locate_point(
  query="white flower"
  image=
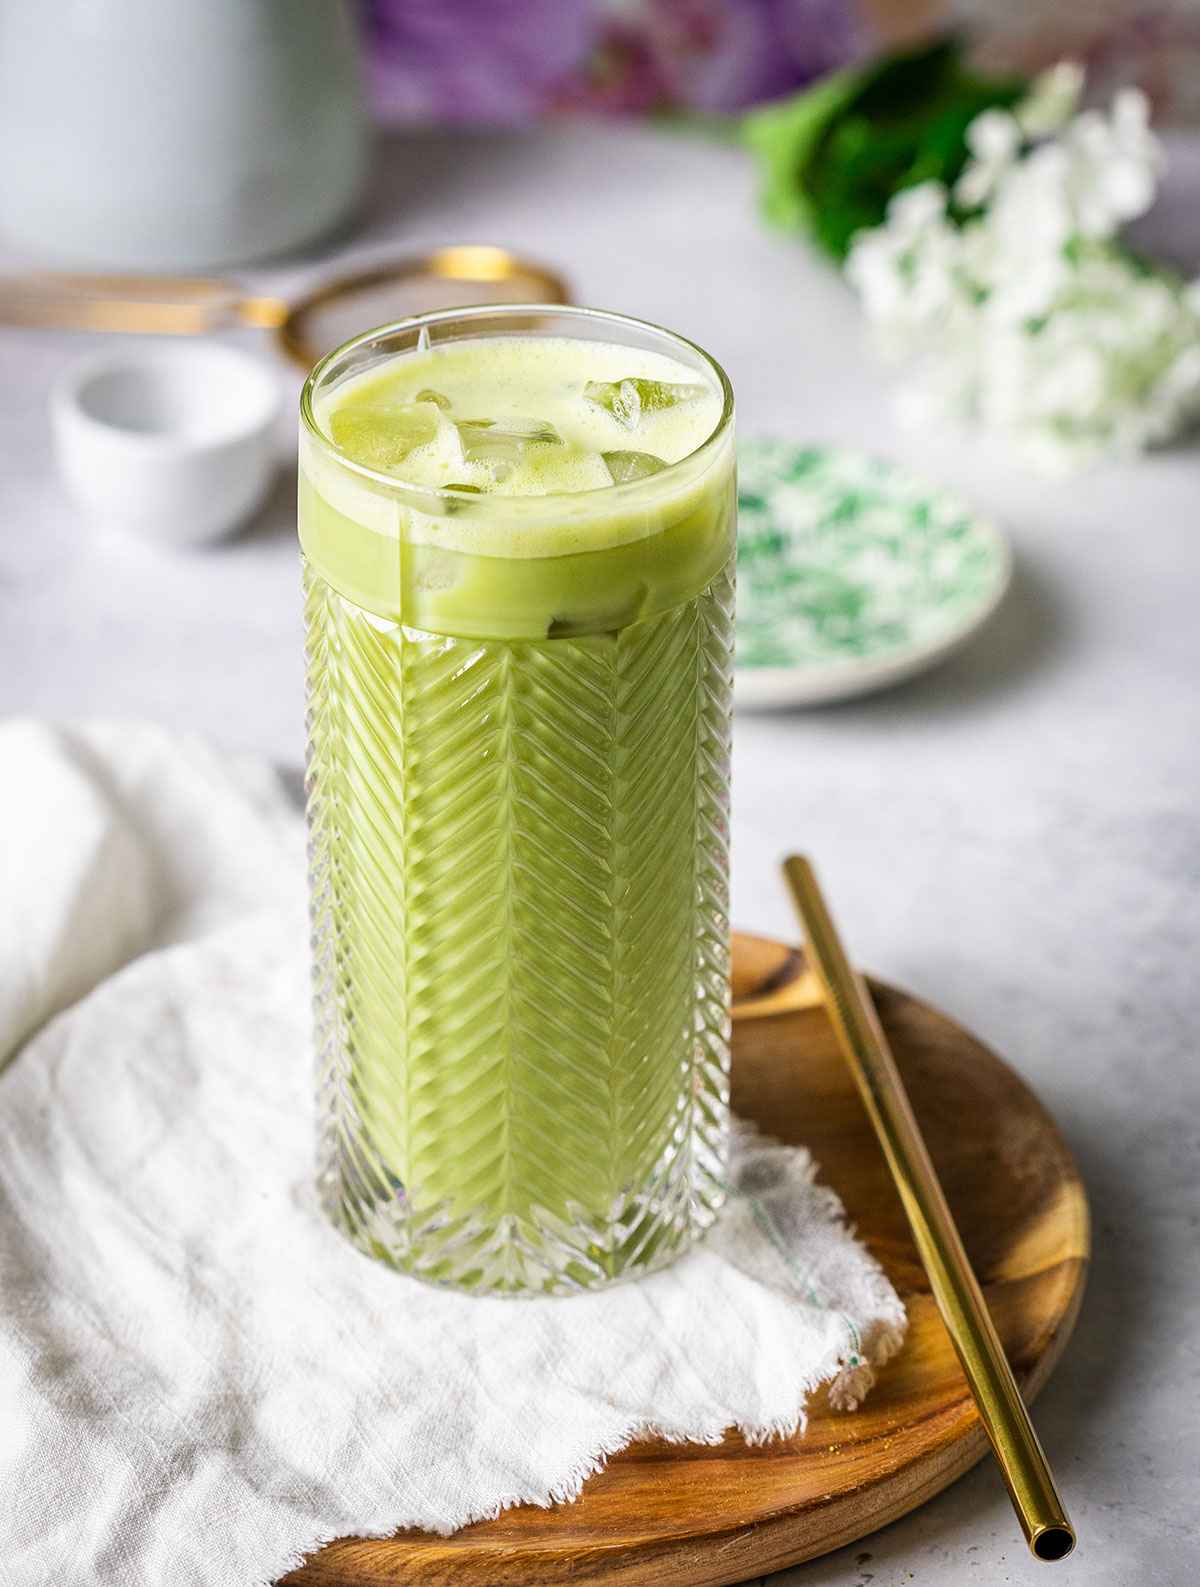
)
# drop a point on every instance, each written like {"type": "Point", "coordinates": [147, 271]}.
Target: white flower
{"type": "Point", "coordinates": [1115, 163]}
{"type": "Point", "coordinates": [994, 139]}
{"type": "Point", "coordinates": [913, 209]}
{"type": "Point", "coordinates": [1028, 227]}
{"type": "Point", "coordinates": [907, 271]}
{"type": "Point", "coordinates": [1114, 368]}
{"type": "Point", "coordinates": [1031, 318]}
{"type": "Point", "coordinates": [1052, 100]}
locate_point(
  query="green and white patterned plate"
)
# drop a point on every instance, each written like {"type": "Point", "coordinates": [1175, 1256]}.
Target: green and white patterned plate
{"type": "Point", "coordinates": [852, 573]}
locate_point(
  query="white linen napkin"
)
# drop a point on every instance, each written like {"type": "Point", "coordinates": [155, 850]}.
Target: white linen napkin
{"type": "Point", "coordinates": [200, 1381]}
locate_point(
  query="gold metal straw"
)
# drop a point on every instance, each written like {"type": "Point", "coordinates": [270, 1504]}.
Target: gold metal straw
{"type": "Point", "coordinates": [955, 1288]}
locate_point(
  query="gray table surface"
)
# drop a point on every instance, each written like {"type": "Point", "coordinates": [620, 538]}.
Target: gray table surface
{"type": "Point", "coordinates": [1015, 836]}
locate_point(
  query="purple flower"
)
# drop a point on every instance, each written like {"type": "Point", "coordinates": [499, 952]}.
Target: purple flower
{"type": "Point", "coordinates": [511, 60]}
{"type": "Point", "coordinates": [721, 55]}
{"type": "Point", "coordinates": [472, 60]}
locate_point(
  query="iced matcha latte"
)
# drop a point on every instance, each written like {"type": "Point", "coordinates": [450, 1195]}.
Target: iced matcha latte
{"type": "Point", "coordinates": [518, 551]}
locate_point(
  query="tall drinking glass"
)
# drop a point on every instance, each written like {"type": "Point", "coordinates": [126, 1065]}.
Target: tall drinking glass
{"type": "Point", "coordinates": [518, 780]}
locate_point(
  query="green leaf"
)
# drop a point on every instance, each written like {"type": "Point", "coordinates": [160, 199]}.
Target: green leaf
{"type": "Point", "coordinates": [834, 156]}
{"type": "Point", "coordinates": [785, 136]}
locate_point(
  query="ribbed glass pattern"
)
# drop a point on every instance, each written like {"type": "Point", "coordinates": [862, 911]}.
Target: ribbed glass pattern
{"type": "Point", "coordinates": [519, 863]}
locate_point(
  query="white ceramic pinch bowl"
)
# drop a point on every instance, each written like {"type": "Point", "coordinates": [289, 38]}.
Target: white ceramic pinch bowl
{"type": "Point", "coordinates": [171, 441]}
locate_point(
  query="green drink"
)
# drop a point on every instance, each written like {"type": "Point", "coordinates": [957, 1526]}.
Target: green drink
{"type": "Point", "coordinates": [518, 571]}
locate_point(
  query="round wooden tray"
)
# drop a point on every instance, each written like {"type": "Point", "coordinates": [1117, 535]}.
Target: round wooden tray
{"type": "Point", "coordinates": [699, 1516]}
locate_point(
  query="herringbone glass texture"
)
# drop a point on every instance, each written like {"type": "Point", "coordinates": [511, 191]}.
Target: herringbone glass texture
{"type": "Point", "coordinates": [519, 869]}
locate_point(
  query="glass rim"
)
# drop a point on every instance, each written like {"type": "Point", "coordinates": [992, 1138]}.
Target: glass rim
{"type": "Point", "coordinates": [484, 311]}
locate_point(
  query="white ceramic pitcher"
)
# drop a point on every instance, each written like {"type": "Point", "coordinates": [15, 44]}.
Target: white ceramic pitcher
{"type": "Point", "coordinates": [176, 134]}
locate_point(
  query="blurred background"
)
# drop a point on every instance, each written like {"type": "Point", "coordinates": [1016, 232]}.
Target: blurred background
{"type": "Point", "coordinates": [512, 61]}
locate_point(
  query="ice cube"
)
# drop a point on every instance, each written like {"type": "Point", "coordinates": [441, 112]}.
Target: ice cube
{"type": "Point", "coordinates": [599, 620]}
{"type": "Point", "coordinates": [460, 489]}
{"type": "Point", "coordinates": [485, 441]}
{"type": "Point", "coordinates": [627, 466]}
{"type": "Point", "coordinates": [382, 437]}
{"type": "Point", "coordinates": [436, 397]}
{"type": "Point", "coordinates": [627, 400]}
